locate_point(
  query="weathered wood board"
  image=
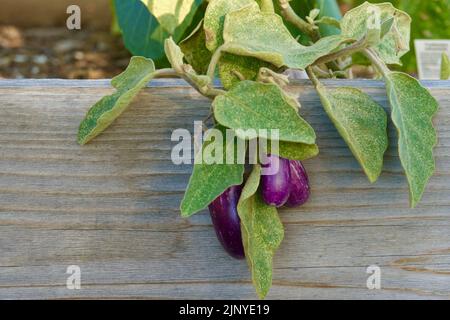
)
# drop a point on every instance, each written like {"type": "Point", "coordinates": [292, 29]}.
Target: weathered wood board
{"type": "Point", "coordinates": [111, 207]}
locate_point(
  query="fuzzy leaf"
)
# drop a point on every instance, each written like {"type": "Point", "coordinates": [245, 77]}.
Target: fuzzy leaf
{"type": "Point", "coordinates": [329, 21]}
{"type": "Point", "coordinates": [248, 67]}
{"type": "Point", "coordinates": [208, 181]}
{"type": "Point", "coordinates": [173, 16]}
{"type": "Point", "coordinates": [229, 64]}
{"type": "Point", "coordinates": [215, 18]}
{"type": "Point", "coordinates": [253, 105]}
{"type": "Point", "coordinates": [195, 51]}
{"type": "Point", "coordinates": [262, 233]}
{"type": "Point", "coordinates": [395, 43]}
{"type": "Point", "coordinates": [361, 122]}
{"type": "Point", "coordinates": [138, 73]}
{"type": "Point", "coordinates": [413, 108]}
{"type": "Point", "coordinates": [173, 54]}
{"type": "Point", "coordinates": [251, 33]}
{"type": "Point", "coordinates": [295, 151]}
{"type": "Point", "coordinates": [445, 67]}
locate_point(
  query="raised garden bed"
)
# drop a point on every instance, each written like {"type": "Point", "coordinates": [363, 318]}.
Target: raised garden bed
{"type": "Point", "coordinates": [111, 207]}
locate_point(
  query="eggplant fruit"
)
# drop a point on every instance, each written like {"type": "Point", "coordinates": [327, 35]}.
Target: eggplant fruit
{"type": "Point", "coordinates": [225, 218]}
{"type": "Point", "coordinates": [299, 185]}
{"type": "Point", "coordinates": [275, 186]}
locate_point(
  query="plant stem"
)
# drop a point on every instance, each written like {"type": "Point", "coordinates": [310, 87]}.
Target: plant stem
{"type": "Point", "coordinates": [377, 62]}
{"type": "Point", "coordinates": [347, 51]}
{"type": "Point", "coordinates": [312, 76]}
{"type": "Point", "coordinates": [322, 73]}
{"type": "Point", "coordinates": [214, 61]}
{"type": "Point", "coordinates": [166, 73]}
{"type": "Point", "coordinates": [290, 15]}
{"type": "Point", "coordinates": [208, 91]}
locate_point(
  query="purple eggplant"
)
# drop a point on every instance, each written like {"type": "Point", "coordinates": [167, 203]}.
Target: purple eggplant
{"type": "Point", "coordinates": [299, 185]}
{"type": "Point", "coordinates": [225, 218]}
{"type": "Point", "coordinates": [275, 184]}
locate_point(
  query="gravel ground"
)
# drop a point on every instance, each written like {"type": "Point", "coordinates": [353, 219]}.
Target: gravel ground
{"type": "Point", "coordinates": [59, 53]}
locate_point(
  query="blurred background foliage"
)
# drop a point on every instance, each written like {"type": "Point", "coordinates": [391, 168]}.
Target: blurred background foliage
{"type": "Point", "coordinates": [145, 24]}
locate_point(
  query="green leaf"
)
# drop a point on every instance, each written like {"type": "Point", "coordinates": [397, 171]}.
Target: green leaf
{"type": "Point", "coordinates": [330, 16]}
{"type": "Point", "coordinates": [215, 18]}
{"type": "Point", "coordinates": [253, 105]}
{"type": "Point", "coordinates": [174, 54]}
{"type": "Point", "coordinates": [208, 181]}
{"type": "Point", "coordinates": [386, 27]}
{"type": "Point", "coordinates": [329, 22]}
{"type": "Point", "coordinates": [425, 15]}
{"type": "Point", "coordinates": [145, 24]}
{"type": "Point", "coordinates": [141, 31]}
{"type": "Point", "coordinates": [231, 65]}
{"type": "Point", "coordinates": [138, 73]}
{"type": "Point", "coordinates": [295, 151]}
{"type": "Point", "coordinates": [445, 67]}
{"type": "Point", "coordinates": [262, 233]}
{"type": "Point", "coordinates": [361, 122]}
{"type": "Point", "coordinates": [252, 33]}
{"type": "Point", "coordinates": [413, 108]}
{"type": "Point", "coordinates": [195, 51]}
{"type": "Point", "coordinates": [395, 43]}
{"type": "Point", "coordinates": [174, 16]}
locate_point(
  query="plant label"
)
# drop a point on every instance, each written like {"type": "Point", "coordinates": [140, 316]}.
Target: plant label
{"type": "Point", "coordinates": [429, 57]}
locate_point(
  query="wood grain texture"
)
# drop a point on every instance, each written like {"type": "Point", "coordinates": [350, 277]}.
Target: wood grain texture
{"type": "Point", "coordinates": [111, 207]}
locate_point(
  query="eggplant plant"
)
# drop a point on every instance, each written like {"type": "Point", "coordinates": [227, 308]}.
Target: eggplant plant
{"type": "Point", "coordinates": [247, 44]}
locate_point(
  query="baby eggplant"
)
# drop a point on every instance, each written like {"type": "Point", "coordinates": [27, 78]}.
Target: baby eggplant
{"type": "Point", "coordinates": [225, 218]}
{"type": "Point", "coordinates": [275, 184]}
{"type": "Point", "coordinates": [299, 185]}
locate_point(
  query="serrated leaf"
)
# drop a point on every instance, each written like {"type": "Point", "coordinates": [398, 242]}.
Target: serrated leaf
{"type": "Point", "coordinates": [361, 122]}
{"type": "Point", "coordinates": [208, 181]}
{"type": "Point", "coordinates": [253, 105]}
{"type": "Point", "coordinates": [413, 108]}
{"type": "Point", "coordinates": [395, 43]}
{"type": "Point", "coordinates": [262, 233]}
{"type": "Point", "coordinates": [445, 67]}
{"type": "Point", "coordinates": [295, 151]}
{"type": "Point", "coordinates": [138, 73]}
{"type": "Point", "coordinates": [231, 65]}
{"type": "Point", "coordinates": [215, 18]}
{"type": "Point", "coordinates": [195, 51]}
{"type": "Point", "coordinates": [251, 33]}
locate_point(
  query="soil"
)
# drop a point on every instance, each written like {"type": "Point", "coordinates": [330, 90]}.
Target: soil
{"type": "Point", "coordinates": [60, 53]}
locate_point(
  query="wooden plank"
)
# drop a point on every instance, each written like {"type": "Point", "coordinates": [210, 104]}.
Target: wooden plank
{"type": "Point", "coordinates": [111, 207]}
